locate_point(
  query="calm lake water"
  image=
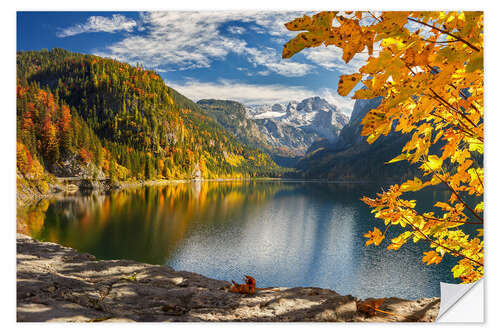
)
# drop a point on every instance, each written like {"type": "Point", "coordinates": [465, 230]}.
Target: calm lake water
{"type": "Point", "coordinates": [284, 233]}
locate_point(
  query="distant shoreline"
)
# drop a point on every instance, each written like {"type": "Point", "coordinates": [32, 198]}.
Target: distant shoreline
{"type": "Point", "coordinates": [57, 187]}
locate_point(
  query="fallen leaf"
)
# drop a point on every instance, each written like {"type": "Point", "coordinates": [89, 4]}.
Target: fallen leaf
{"type": "Point", "coordinates": [370, 306]}
{"type": "Point", "coordinates": [247, 288]}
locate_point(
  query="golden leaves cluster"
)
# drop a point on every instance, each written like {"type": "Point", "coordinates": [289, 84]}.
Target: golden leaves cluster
{"type": "Point", "coordinates": [350, 36]}
{"type": "Point", "coordinates": [428, 69]}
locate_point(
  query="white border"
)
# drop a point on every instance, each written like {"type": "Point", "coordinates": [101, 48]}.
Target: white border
{"type": "Point", "coordinates": [7, 132]}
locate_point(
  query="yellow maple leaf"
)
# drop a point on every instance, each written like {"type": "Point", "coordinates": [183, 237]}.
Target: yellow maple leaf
{"type": "Point", "coordinates": [433, 164]}
{"type": "Point", "coordinates": [431, 257]}
{"type": "Point", "coordinates": [298, 24]}
{"type": "Point", "coordinates": [412, 185]}
{"type": "Point", "coordinates": [374, 237]}
{"type": "Point", "coordinates": [347, 82]}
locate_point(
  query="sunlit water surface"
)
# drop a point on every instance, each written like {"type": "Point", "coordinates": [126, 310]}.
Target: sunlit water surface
{"type": "Point", "coordinates": [284, 233]}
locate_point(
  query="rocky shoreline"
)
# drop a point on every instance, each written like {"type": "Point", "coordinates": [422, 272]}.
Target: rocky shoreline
{"type": "Point", "coordinates": [57, 283]}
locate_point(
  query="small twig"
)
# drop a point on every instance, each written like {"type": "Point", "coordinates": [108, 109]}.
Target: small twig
{"type": "Point", "coordinates": [436, 219]}
{"type": "Point", "coordinates": [440, 245]}
{"type": "Point", "coordinates": [458, 197]}
{"type": "Point", "coordinates": [376, 18]}
{"type": "Point", "coordinates": [440, 42]}
{"type": "Point", "coordinates": [452, 107]}
{"type": "Point", "coordinates": [445, 32]}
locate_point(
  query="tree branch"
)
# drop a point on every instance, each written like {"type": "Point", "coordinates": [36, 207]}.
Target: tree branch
{"type": "Point", "coordinates": [455, 126]}
{"type": "Point", "coordinates": [452, 107]}
{"type": "Point", "coordinates": [456, 194]}
{"type": "Point", "coordinates": [445, 32]}
{"type": "Point", "coordinates": [445, 103]}
{"type": "Point", "coordinates": [376, 18]}
{"type": "Point", "coordinates": [461, 94]}
{"type": "Point", "coordinates": [436, 219]}
{"type": "Point", "coordinates": [441, 42]}
{"type": "Point", "coordinates": [440, 245]}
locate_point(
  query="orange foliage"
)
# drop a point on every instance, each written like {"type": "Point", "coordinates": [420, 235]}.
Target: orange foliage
{"type": "Point", "coordinates": [24, 159]}
{"type": "Point", "coordinates": [85, 155]}
{"type": "Point", "coordinates": [371, 306]}
{"type": "Point", "coordinates": [247, 288]}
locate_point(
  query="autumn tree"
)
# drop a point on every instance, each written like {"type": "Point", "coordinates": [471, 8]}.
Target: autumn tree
{"type": "Point", "coordinates": [24, 160]}
{"type": "Point", "coordinates": [428, 69]}
{"type": "Point", "coordinates": [50, 143]}
{"type": "Point", "coordinates": [65, 130]}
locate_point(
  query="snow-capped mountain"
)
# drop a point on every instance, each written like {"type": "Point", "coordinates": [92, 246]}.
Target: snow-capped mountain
{"type": "Point", "coordinates": [282, 129]}
{"type": "Point", "coordinates": [296, 125]}
{"type": "Point", "coordinates": [264, 111]}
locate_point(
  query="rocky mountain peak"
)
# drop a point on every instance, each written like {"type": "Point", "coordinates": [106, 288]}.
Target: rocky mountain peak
{"type": "Point", "coordinates": [278, 108]}
{"type": "Point", "coordinates": [315, 103]}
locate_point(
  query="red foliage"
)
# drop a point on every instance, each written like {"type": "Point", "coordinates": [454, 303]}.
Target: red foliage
{"type": "Point", "coordinates": [28, 121]}
{"type": "Point", "coordinates": [21, 91]}
{"type": "Point", "coordinates": [85, 155]}
{"type": "Point", "coordinates": [65, 121]}
{"type": "Point", "coordinates": [247, 288]}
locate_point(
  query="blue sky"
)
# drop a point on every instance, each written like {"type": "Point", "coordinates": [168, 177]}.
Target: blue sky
{"type": "Point", "coordinates": [226, 54]}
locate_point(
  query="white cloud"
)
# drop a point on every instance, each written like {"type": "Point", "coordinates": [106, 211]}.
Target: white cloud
{"type": "Point", "coordinates": [262, 73]}
{"type": "Point", "coordinates": [269, 58]}
{"type": "Point", "coordinates": [344, 104]}
{"type": "Point", "coordinates": [179, 40]}
{"type": "Point", "coordinates": [258, 29]}
{"type": "Point", "coordinates": [331, 58]}
{"type": "Point", "coordinates": [242, 92]}
{"type": "Point", "coordinates": [236, 30]}
{"type": "Point", "coordinates": [257, 94]}
{"type": "Point", "coordinates": [184, 40]}
{"type": "Point", "coordinates": [114, 23]}
{"type": "Point", "coordinates": [281, 41]}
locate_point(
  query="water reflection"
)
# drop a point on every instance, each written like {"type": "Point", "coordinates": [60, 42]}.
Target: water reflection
{"type": "Point", "coordinates": [282, 233]}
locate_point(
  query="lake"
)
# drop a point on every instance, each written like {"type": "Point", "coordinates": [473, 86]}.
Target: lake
{"type": "Point", "coordinates": [283, 233]}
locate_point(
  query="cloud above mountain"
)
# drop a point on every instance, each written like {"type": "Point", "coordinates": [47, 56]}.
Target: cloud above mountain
{"type": "Point", "coordinates": [111, 24]}
{"type": "Point", "coordinates": [236, 54]}
{"type": "Point", "coordinates": [257, 94]}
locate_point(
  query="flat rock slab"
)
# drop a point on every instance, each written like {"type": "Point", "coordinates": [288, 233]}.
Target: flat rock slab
{"type": "Point", "coordinates": [57, 283]}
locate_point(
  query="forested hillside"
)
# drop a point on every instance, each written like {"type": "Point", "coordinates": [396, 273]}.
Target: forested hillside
{"type": "Point", "coordinates": [232, 115]}
{"type": "Point", "coordinates": [78, 112]}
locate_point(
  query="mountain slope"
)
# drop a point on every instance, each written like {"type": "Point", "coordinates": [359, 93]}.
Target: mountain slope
{"type": "Point", "coordinates": [136, 124]}
{"type": "Point", "coordinates": [232, 116]}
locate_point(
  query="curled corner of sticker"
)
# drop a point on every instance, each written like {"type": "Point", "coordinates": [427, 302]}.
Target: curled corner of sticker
{"type": "Point", "coordinates": [462, 302]}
